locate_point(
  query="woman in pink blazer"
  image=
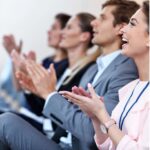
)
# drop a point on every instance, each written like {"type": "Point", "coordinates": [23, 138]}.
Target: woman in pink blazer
{"type": "Point", "coordinates": [128, 127]}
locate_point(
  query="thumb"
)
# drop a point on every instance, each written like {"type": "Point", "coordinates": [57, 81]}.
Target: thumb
{"type": "Point", "coordinates": [92, 91]}
{"type": "Point", "coordinates": [19, 48]}
{"type": "Point", "coordinates": [52, 68]}
{"type": "Point", "coordinates": [52, 71]}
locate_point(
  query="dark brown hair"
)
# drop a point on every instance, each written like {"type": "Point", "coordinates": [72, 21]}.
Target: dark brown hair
{"type": "Point", "coordinates": [124, 10]}
{"type": "Point", "coordinates": [145, 9]}
{"type": "Point", "coordinates": [63, 19]}
{"type": "Point", "coordinates": [85, 24]}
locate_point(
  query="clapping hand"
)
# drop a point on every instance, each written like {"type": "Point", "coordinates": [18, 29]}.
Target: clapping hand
{"type": "Point", "coordinates": [90, 103]}
{"type": "Point", "coordinates": [44, 81]}
{"type": "Point", "coordinates": [80, 91]}
{"type": "Point", "coordinates": [10, 44]}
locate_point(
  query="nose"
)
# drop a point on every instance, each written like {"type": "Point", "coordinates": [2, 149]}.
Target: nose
{"type": "Point", "coordinates": [62, 31]}
{"type": "Point", "coordinates": [49, 31]}
{"type": "Point", "coordinates": [94, 23]}
{"type": "Point", "coordinates": [123, 29]}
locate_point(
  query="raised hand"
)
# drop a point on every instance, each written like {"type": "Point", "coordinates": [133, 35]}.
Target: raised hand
{"type": "Point", "coordinates": [18, 61]}
{"type": "Point", "coordinates": [31, 55]}
{"type": "Point", "coordinates": [26, 82]}
{"type": "Point", "coordinates": [90, 105]}
{"type": "Point", "coordinates": [44, 81]}
{"type": "Point", "coordinates": [10, 44]}
{"type": "Point", "coordinates": [80, 91]}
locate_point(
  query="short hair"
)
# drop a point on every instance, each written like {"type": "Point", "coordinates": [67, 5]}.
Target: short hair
{"type": "Point", "coordinates": [145, 9]}
{"type": "Point", "coordinates": [124, 10]}
{"type": "Point", "coordinates": [63, 19]}
{"type": "Point", "coordinates": [85, 20]}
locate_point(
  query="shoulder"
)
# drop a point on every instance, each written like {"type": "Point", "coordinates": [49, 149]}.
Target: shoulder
{"type": "Point", "coordinates": [125, 61]}
{"type": "Point", "coordinates": [128, 87]}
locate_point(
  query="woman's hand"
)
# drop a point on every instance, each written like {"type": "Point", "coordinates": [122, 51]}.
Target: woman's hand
{"type": "Point", "coordinates": [44, 80]}
{"type": "Point", "coordinates": [91, 104]}
{"type": "Point", "coordinates": [10, 44]}
{"type": "Point", "coordinates": [26, 82]}
{"type": "Point", "coordinates": [80, 91]}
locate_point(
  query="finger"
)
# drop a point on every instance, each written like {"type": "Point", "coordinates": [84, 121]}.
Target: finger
{"type": "Point", "coordinates": [73, 100]}
{"type": "Point", "coordinates": [52, 75]}
{"type": "Point", "coordinates": [25, 85]}
{"type": "Point", "coordinates": [52, 70]}
{"type": "Point", "coordinates": [22, 77]}
{"type": "Point", "coordinates": [84, 93]}
{"type": "Point", "coordinates": [102, 99]}
{"type": "Point", "coordinates": [28, 84]}
{"type": "Point", "coordinates": [78, 98]}
{"type": "Point", "coordinates": [78, 91]}
{"type": "Point", "coordinates": [34, 69]}
{"type": "Point", "coordinates": [92, 91]}
{"type": "Point", "coordinates": [16, 58]}
{"type": "Point", "coordinates": [75, 90]}
{"type": "Point", "coordinates": [31, 55]}
{"type": "Point", "coordinates": [31, 70]}
{"type": "Point", "coordinates": [19, 47]}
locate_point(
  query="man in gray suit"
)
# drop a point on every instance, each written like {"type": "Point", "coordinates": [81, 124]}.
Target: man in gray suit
{"type": "Point", "coordinates": [111, 72]}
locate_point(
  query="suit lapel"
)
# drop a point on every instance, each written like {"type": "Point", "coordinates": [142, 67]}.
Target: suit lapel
{"type": "Point", "coordinates": [108, 71]}
{"type": "Point", "coordinates": [89, 76]}
{"type": "Point", "coordinates": [92, 73]}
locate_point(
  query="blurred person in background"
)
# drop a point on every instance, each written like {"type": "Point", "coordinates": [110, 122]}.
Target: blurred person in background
{"type": "Point", "coordinates": [76, 39]}
{"type": "Point", "coordinates": [10, 88]}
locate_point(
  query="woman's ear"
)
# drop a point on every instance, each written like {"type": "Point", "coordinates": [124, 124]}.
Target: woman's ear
{"type": "Point", "coordinates": [85, 36]}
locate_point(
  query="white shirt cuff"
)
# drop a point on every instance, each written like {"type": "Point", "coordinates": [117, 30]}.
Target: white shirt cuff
{"type": "Point", "coordinates": [49, 97]}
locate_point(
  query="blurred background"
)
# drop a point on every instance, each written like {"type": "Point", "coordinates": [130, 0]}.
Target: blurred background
{"type": "Point", "coordinates": [29, 20]}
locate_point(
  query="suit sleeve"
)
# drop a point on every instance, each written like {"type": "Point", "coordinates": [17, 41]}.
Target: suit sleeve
{"type": "Point", "coordinates": [70, 117]}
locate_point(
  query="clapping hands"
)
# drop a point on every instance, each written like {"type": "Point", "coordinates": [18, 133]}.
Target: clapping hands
{"type": "Point", "coordinates": [33, 77]}
{"type": "Point", "coordinates": [90, 103]}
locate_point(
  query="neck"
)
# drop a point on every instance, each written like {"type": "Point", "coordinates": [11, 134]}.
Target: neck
{"type": "Point", "coordinates": [60, 55]}
{"type": "Point", "coordinates": [112, 47]}
{"type": "Point", "coordinates": [75, 54]}
{"type": "Point", "coordinates": [142, 63]}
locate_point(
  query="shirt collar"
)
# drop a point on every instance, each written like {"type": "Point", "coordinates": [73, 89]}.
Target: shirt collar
{"type": "Point", "coordinates": [104, 60]}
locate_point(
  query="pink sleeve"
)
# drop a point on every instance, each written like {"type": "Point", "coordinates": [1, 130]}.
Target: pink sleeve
{"type": "Point", "coordinates": [143, 141]}
{"type": "Point", "coordinates": [103, 146]}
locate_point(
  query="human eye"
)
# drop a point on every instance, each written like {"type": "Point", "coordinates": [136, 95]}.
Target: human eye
{"type": "Point", "coordinates": [69, 27]}
{"type": "Point", "coordinates": [101, 18]}
{"type": "Point", "coordinates": [132, 23]}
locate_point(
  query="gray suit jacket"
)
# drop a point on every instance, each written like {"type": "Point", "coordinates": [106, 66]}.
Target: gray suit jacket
{"type": "Point", "coordinates": [68, 116]}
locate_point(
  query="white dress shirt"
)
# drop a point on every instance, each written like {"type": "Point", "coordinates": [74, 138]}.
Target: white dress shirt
{"type": "Point", "coordinates": [103, 62]}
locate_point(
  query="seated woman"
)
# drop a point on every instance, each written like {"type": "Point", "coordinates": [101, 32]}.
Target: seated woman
{"type": "Point", "coordinates": [128, 126]}
{"type": "Point", "coordinates": [60, 58]}
{"type": "Point", "coordinates": [10, 86]}
{"type": "Point", "coordinates": [76, 39]}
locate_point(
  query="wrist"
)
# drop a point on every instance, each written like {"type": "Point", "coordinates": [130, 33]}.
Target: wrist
{"type": "Point", "coordinates": [44, 96]}
{"type": "Point", "coordinates": [103, 116]}
{"type": "Point", "coordinates": [107, 125]}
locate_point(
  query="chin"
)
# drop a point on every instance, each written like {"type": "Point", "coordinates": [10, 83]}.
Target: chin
{"type": "Point", "coordinates": [126, 53]}
{"type": "Point", "coordinates": [94, 41]}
